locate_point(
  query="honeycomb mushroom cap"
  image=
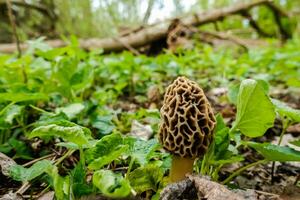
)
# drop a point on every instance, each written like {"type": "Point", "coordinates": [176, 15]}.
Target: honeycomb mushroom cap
{"type": "Point", "coordinates": [187, 119]}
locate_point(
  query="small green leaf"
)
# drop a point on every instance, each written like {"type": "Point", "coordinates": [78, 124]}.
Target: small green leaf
{"type": "Point", "coordinates": [146, 178]}
{"type": "Point", "coordinates": [8, 114]}
{"type": "Point", "coordinates": [79, 185]}
{"type": "Point", "coordinates": [220, 123]}
{"type": "Point", "coordinates": [76, 134]}
{"type": "Point", "coordinates": [12, 112]}
{"type": "Point", "coordinates": [104, 124]}
{"type": "Point", "coordinates": [20, 173]}
{"type": "Point", "coordinates": [221, 137]}
{"type": "Point", "coordinates": [275, 153]}
{"type": "Point", "coordinates": [61, 185]}
{"type": "Point", "coordinates": [20, 148]}
{"type": "Point", "coordinates": [18, 97]}
{"type": "Point", "coordinates": [255, 111]}
{"type": "Point", "coordinates": [285, 111]}
{"type": "Point", "coordinates": [233, 92]}
{"type": "Point", "coordinates": [71, 110]}
{"type": "Point", "coordinates": [111, 184]}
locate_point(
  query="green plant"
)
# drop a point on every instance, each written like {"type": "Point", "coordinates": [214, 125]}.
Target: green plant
{"type": "Point", "coordinates": [78, 107]}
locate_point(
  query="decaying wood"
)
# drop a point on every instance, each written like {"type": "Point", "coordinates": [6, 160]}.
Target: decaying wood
{"type": "Point", "coordinates": [197, 187]}
{"type": "Point", "coordinates": [5, 163]}
{"type": "Point", "coordinates": [150, 34]}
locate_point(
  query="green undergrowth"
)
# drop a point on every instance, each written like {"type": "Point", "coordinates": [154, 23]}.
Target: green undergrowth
{"type": "Point", "coordinates": [83, 104]}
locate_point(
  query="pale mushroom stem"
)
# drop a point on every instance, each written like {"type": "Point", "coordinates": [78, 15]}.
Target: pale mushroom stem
{"type": "Point", "coordinates": [180, 167]}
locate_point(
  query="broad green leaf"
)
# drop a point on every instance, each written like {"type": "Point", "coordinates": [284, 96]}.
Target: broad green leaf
{"type": "Point", "coordinates": [71, 145]}
{"type": "Point", "coordinates": [275, 153]}
{"type": "Point", "coordinates": [18, 97]}
{"type": "Point", "coordinates": [141, 150]}
{"type": "Point", "coordinates": [146, 178]}
{"type": "Point", "coordinates": [106, 159]}
{"type": "Point", "coordinates": [76, 134]}
{"type": "Point", "coordinates": [255, 111]}
{"type": "Point", "coordinates": [233, 90]}
{"type": "Point", "coordinates": [285, 111]}
{"type": "Point", "coordinates": [107, 149]}
{"type": "Point", "coordinates": [111, 184]}
{"type": "Point", "coordinates": [111, 147]}
{"type": "Point", "coordinates": [51, 118]}
{"type": "Point", "coordinates": [104, 146]}
{"type": "Point", "coordinates": [20, 173]}
{"type": "Point", "coordinates": [71, 110]}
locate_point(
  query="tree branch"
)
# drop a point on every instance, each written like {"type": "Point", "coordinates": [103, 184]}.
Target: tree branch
{"type": "Point", "coordinates": [158, 31]}
{"type": "Point", "coordinates": [39, 8]}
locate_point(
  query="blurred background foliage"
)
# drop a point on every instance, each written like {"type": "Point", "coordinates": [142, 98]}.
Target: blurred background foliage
{"type": "Point", "coordinates": [102, 18]}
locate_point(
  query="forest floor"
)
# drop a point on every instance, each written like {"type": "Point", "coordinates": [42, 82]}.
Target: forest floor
{"type": "Point", "coordinates": [75, 124]}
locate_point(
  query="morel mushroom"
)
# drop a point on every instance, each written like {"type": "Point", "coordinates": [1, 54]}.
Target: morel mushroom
{"type": "Point", "coordinates": [187, 123]}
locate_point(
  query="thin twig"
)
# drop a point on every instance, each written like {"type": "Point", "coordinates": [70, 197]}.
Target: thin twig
{"type": "Point", "coordinates": [38, 159]}
{"type": "Point", "coordinates": [43, 191]}
{"type": "Point", "coordinates": [13, 26]}
{"type": "Point", "coordinates": [266, 193]}
{"type": "Point", "coordinates": [23, 188]}
{"type": "Point", "coordinates": [238, 172]}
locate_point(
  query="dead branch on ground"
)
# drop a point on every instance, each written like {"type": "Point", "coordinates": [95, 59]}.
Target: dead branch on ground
{"type": "Point", "coordinates": [149, 34]}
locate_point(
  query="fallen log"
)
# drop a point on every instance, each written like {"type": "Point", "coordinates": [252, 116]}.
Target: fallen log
{"type": "Point", "coordinates": [149, 34]}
